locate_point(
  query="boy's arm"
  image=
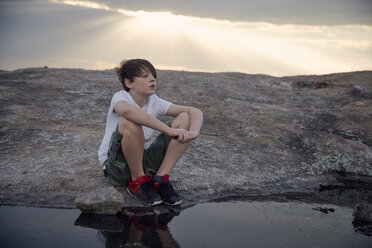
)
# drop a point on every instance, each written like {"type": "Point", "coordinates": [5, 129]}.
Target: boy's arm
{"type": "Point", "coordinates": [195, 116]}
{"type": "Point", "coordinates": [141, 117]}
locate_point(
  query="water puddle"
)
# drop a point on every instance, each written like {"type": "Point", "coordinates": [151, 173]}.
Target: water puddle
{"type": "Point", "coordinates": [252, 223]}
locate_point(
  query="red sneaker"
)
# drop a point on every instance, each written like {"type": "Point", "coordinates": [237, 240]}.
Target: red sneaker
{"type": "Point", "coordinates": [142, 190]}
{"type": "Point", "coordinates": [162, 185]}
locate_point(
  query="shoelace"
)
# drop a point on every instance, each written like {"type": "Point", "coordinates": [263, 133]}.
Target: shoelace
{"type": "Point", "coordinates": [146, 187]}
{"type": "Point", "coordinates": [168, 189]}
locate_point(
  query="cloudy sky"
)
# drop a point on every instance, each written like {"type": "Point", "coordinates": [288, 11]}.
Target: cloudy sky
{"type": "Point", "coordinates": [275, 37]}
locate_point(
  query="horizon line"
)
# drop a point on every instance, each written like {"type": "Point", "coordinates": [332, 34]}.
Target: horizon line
{"type": "Point", "coordinates": [190, 71]}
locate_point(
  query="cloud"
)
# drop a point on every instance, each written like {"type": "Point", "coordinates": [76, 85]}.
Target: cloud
{"type": "Point", "coordinates": [85, 4]}
{"type": "Point", "coordinates": [102, 31]}
{"type": "Point", "coordinates": [315, 12]}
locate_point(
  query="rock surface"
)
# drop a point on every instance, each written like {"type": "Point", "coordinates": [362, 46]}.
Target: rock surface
{"type": "Point", "coordinates": [104, 200]}
{"type": "Point", "coordinates": [261, 135]}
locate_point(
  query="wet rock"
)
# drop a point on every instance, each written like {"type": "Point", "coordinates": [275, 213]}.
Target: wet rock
{"type": "Point", "coordinates": [261, 135]}
{"type": "Point", "coordinates": [363, 213]}
{"type": "Point", "coordinates": [324, 210]}
{"type": "Point", "coordinates": [331, 185]}
{"type": "Point", "coordinates": [105, 200]}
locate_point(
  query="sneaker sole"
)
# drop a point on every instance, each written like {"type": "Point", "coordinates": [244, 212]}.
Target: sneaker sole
{"type": "Point", "coordinates": [148, 203]}
{"type": "Point", "coordinates": [173, 204]}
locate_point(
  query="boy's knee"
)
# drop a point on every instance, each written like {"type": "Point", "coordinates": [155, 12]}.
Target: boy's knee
{"type": "Point", "coordinates": [128, 127]}
{"type": "Point", "coordinates": [181, 121]}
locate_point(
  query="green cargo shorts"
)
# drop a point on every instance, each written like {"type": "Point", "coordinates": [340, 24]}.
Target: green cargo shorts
{"type": "Point", "coordinates": [116, 169]}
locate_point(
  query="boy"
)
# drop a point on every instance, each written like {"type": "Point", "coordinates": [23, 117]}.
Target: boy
{"type": "Point", "coordinates": [126, 153]}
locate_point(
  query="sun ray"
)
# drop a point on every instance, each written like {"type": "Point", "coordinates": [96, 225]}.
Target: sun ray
{"type": "Point", "coordinates": [209, 44]}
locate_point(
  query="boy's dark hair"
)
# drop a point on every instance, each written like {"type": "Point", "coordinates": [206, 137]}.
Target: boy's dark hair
{"type": "Point", "coordinates": [133, 68]}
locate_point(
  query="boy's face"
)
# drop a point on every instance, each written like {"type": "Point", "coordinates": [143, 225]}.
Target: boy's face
{"type": "Point", "coordinates": [145, 84]}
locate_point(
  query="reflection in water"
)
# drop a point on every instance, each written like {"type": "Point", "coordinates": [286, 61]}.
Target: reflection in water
{"type": "Point", "coordinates": [363, 227]}
{"type": "Point", "coordinates": [321, 219]}
{"type": "Point", "coordinates": [131, 231]}
{"type": "Point", "coordinates": [289, 221]}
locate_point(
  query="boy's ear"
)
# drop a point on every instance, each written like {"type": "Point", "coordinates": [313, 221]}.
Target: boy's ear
{"type": "Point", "coordinates": [128, 83]}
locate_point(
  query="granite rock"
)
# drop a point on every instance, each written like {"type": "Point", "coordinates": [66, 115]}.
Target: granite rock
{"type": "Point", "coordinates": [105, 200]}
{"type": "Point", "coordinates": [261, 134]}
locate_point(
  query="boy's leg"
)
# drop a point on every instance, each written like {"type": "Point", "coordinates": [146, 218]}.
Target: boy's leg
{"type": "Point", "coordinates": [132, 145]}
{"type": "Point", "coordinates": [175, 148]}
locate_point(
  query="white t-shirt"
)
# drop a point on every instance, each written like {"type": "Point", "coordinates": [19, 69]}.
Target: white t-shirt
{"type": "Point", "coordinates": [155, 106]}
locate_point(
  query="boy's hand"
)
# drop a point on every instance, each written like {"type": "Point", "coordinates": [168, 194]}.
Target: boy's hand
{"type": "Point", "coordinates": [182, 135]}
{"type": "Point", "coordinates": [192, 134]}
